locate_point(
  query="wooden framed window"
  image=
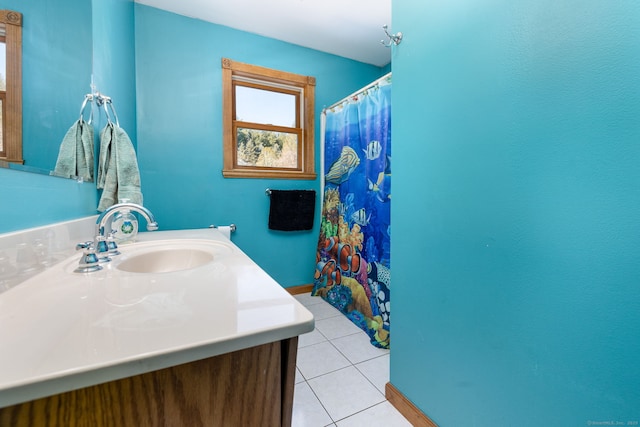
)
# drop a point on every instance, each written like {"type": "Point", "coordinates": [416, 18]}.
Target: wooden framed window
{"type": "Point", "coordinates": [11, 86]}
{"type": "Point", "coordinates": [268, 122]}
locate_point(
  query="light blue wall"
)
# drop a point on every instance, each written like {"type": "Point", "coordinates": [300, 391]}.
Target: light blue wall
{"type": "Point", "coordinates": [114, 60]}
{"type": "Point", "coordinates": [516, 217]}
{"type": "Point", "coordinates": [60, 53]}
{"type": "Point", "coordinates": [179, 100]}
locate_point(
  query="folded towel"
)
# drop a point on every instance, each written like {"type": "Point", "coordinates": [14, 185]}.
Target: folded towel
{"type": "Point", "coordinates": [118, 173]}
{"type": "Point", "coordinates": [75, 157]}
{"type": "Point", "coordinates": [292, 210]}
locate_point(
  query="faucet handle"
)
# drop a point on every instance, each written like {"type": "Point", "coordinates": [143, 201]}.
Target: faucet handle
{"type": "Point", "coordinates": [112, 245]}
{"type": "Point", "coordinates": [102, 249]}
{"type": "Point", "coordinates": [84, 245]}
{"type": "Point", "coordinates": [89, 260]}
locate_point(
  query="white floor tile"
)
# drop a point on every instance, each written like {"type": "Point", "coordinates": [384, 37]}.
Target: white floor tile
{"type": "Point", "coordinates": [336, 327]}
{"type": "Point", "coordinates": [358, 348]}
{"type": "Point", "coordinates": [339, 373]}
{"type": "Point", "coordinates": [376, 370]}
{"type": "Point", "coordinates": [345, 392]}
{"type": "Point", "coordinates": [307, 410]}
{"type": "Point", "coordinates": [310, 338]}
{"type": "Point", "coordinates": [323, 310]}
{"type": "Point", "coordinates": [307, 299]}
{"type": "Point", "coordinates": [319, 359]}
{"type": "Point", "coordinates": [383, 414]}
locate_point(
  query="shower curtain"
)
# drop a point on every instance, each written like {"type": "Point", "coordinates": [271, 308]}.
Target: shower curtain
{"type": "Point", "coordinates": [353, 256]}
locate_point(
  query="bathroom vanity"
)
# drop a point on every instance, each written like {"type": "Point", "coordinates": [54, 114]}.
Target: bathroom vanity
{"type": "Point", "coordinates": [181, 329]}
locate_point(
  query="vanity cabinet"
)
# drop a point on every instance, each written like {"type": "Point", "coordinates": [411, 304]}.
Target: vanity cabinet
{"type": "Point", "coordinates": [210, 345]}
{"type": "Point", "coordinates": [250, 387]}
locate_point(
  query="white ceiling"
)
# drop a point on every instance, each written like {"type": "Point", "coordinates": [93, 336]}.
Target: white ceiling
{"type": "Point", "coordinates": [348, 28]}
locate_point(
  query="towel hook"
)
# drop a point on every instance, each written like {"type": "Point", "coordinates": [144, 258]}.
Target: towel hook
{"type": "Point", "coordinates": [101, 99]}
{"type": "Point", "coordinates": [394, 39]}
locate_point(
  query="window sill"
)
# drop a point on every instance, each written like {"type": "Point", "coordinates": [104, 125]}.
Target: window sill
{"type": "Point", "coordinates": [268, 174]}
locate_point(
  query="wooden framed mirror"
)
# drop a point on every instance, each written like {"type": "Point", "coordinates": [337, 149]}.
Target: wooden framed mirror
{"type": "Point", "coordinates": [11, 86]}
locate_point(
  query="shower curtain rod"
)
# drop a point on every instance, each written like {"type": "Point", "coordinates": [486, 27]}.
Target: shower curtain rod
{"type": "Point", "coordinates": [369, 86]}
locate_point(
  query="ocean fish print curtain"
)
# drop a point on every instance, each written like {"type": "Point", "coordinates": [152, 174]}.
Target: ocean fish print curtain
{"type": "Point", "coordinates": [353, 255]}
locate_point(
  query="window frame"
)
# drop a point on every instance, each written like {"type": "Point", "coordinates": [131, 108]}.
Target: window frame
{"type": "Point", "coordinates": [12, 105]}
{"type": "Point", "coordinates": [267, 79]}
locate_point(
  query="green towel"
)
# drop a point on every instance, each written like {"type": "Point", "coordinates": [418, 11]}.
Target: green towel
{"type": "Point", "coordinates": [118, 174]}
{"type": "Point", "coordinates": [75, 158]}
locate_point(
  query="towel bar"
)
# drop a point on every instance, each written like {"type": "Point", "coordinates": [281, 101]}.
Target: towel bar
{"type": "Point", "coordinates": [268, 191]}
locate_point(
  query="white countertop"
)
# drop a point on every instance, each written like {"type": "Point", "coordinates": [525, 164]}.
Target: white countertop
{"type": "Point", "coordinates": [61, 330]}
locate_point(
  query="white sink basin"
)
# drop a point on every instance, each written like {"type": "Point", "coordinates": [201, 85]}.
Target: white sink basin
{"type": "Point", "coordinates": [168, 256]}
{"type": "Point", "coordinates": [166, 261]}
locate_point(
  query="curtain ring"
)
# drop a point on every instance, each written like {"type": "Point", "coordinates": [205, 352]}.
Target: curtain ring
{"type": "Point", "coordinates": [113, 110]}
{"type": "Point", "coordinates": [106, 111]}
{"type": "Point", "coordinates": [87, 98]}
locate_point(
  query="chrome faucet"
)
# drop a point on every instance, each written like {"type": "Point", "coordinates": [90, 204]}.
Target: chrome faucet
{"type": "Point", "coordinates": [108, 213]}
{"type": "Point", "coordinates": [98, 251]}
{"type": "Point", "coordinates": [105, 244]}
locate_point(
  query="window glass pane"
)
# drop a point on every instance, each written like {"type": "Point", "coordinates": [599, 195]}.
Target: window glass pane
{"type": "Point", "coordinates": [265, 107]}
{"type": "Point", "coordinates": [267, 148]}
{"type": "Point", "coordinates": [3, 66]}
{"type": "Point", "coordinates": [1, 127]}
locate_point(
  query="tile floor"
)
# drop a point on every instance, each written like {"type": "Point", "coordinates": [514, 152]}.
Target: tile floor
{"type": "Point", "coordinates": [340, 376]}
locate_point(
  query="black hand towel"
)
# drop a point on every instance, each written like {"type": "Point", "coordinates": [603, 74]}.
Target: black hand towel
{"type": "Point", "coordinates": [292, 210]}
